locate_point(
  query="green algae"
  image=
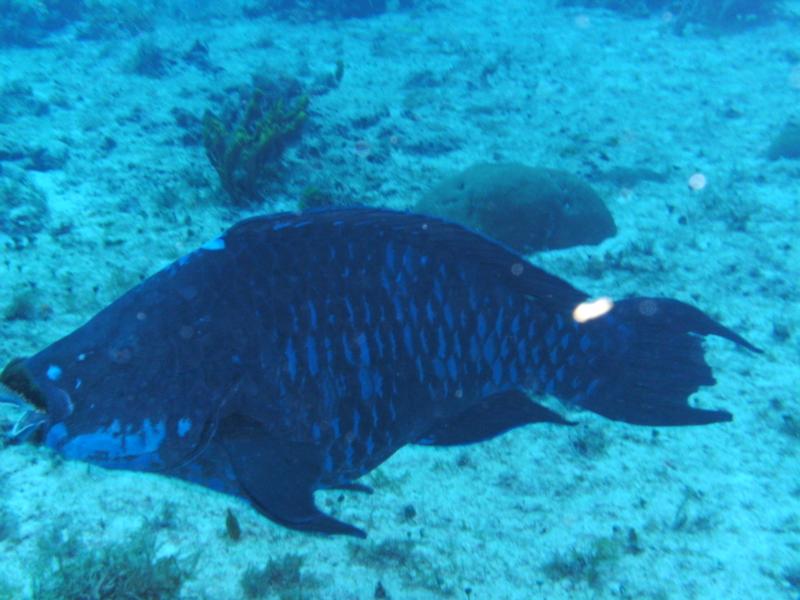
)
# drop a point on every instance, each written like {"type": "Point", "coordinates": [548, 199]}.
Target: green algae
{"type": "Point", "coordinates": [282, 577]}
{"type": "Point", "coordinates": [69, 569]}
{"type": "Point", "coordinates": [591, 566]}
{"type": "Point", "coordinates": [404, 558]}
{"type": "Point", "coordinates": [246, 151]}
{"type": "Point", "coordinates": [23, 209]}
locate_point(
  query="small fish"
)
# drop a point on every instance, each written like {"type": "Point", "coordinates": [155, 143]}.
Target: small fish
{"type": "Point", "coordinates": [298, 352]}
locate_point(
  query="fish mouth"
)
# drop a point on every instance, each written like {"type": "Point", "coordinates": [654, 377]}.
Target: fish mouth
{"type": "Point", "coordinates": [26, 409]}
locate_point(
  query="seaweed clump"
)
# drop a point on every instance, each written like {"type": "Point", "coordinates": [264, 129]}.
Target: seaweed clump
{"type": "Point", "coordinates": [725, 15]}
{"type": "Point", "coordinates": [313, 197]}
{"type": "Point", "coordinates": [22, 307]}
{"type": "Point", "coordinates": [246, 141]}
{"type": "Point", "coordinates": [23, 209]}
{"type": "Point", "coordinates": [787, 143]}
{"type": "Point", "coordinates": [69, 570]}
{"type": "Point", "coordinates": [592, 565]}
{"type": "Point", "coordinates": [317, 9]}
{"type": "Point", "coordinates": [715, 15]}
{"type": "Point", "coordinates": [111, 19]}
{"type": "Point", "coordinates": [26, 23]}
{"type": "Point", "coordinates": [402, 557]}
{"type": "Point", "coordinates": [149, 60]}
{"type": "Point", "coordinates": [282, 577]}
{"type": "Point", "coordinates": [17, 99]}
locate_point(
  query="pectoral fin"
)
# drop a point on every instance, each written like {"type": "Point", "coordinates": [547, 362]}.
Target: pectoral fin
{"type": "Point", "coordinates": [278, 477]}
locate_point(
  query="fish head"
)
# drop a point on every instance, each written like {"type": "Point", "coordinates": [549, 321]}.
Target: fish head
{"type": "Point", "coordinates": [71, 420]}
{"type": "Point", "coordinates": [109, 394]}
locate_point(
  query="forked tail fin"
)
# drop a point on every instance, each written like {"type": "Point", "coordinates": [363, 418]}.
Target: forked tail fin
{"type": "Point", "coordinates": [648, 359]}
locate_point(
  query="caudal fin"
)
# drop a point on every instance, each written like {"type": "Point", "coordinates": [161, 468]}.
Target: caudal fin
{"type": "Point", "coordinates": [651, 361]}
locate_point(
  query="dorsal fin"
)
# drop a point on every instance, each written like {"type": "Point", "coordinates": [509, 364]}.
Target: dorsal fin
{"type": "Point", "coordinates": [428, 234]}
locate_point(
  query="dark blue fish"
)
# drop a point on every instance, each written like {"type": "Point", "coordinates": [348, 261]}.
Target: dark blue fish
{"type": "Point", "coordinates": [298, 352]}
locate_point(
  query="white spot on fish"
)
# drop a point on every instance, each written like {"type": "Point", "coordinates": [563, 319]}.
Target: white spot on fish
{"type": "Point", "coordinates": [54, 372]}
{"type": "Point", "coordinates": [592, 309]}
{"type": "Point", "coordinates": [215, 244]}
{"type": "Point", "coordinates": [184, 425]}
{"type": "Point", "coordinates": [81, 357]}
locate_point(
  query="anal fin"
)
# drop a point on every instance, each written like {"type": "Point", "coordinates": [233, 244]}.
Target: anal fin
{"type": "Point", "coordinates": [278, 476]}
{"type": "Point", "coordinates": [489, 418]}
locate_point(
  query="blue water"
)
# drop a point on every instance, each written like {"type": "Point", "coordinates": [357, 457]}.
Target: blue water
{"type": "Point", "coordinates": [119, 125]}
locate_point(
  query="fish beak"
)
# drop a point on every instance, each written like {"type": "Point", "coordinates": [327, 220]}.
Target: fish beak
{"type": "Point", "coordinates": [19, 419]}
{"type": "Point", "coordinates": [28, 427]}
{"type": "Point", "coordinates": [23, 408]}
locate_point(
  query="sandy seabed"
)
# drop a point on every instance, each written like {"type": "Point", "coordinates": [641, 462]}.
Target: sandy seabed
{"type": "Point", "coordinates": [709, 512]}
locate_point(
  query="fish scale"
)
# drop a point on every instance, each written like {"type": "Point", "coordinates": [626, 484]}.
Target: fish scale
{"type": "Point", "coordinates": [298, 352]}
